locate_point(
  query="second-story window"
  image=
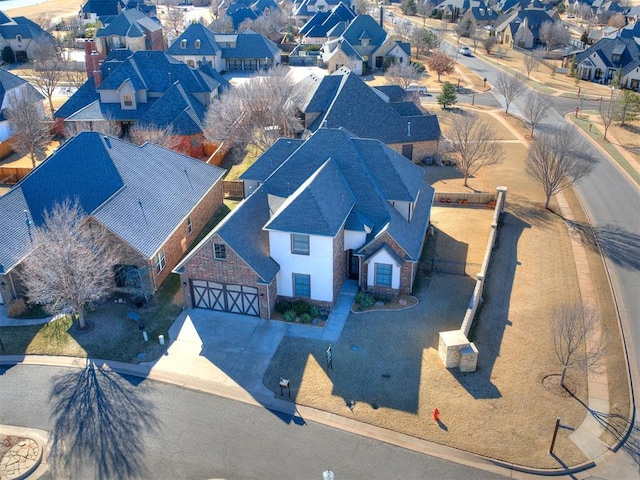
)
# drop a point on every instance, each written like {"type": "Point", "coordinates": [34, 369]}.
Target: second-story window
{"type": "Point", "coordinates": [299, 244]}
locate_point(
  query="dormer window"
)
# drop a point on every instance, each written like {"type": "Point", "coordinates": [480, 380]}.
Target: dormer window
{"type": "Point", "coordinates": [365, 42]}
{"type": "Point", "coordinates": [183, 44]}
{"type": "Point", "coordinates": [197, 44]}
{"type": "Point", "coordinates": [127, 100]}
{"type": "Point", "coordinates": [19, 38]}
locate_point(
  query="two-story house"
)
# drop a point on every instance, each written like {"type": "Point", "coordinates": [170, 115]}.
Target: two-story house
{"type": "Point", "coordinates": [132, 30]}
{"type": "Point", "coordinates": [12, 88]}
{"type": "Point", "coordinates": [327, 208]}
{"type": "Point", "coordinates": [343, 100]}
{"type": "Point", "coordinates": [149, 89]}
{"type": "Point", "coordinates": [247, 51]}
{"type": "Point", "coordinates": [22, 36]}
{"type": "Point", "coordinates": [362, 46]}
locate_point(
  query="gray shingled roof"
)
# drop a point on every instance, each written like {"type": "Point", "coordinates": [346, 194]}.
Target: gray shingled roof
{"type": "Point", "coordinates": [343, 100]}
{"type": "Point", "coordinates": [310, 210]}
{"type": "Point", "coordinates": [195, 31]}
{"type": "Point", "coordinates": [271, 159]}
{"type": "Point", "coordinates": [140, 193]}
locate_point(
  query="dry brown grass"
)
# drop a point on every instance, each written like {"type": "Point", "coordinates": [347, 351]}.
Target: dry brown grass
{"type": "Point", "coordinates": [503, 410]}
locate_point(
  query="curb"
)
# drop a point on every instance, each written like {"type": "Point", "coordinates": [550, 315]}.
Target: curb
{"type": "Point", "coordinates": [401, 440]}
{"type": "Point", "coordinates": [27, 434]}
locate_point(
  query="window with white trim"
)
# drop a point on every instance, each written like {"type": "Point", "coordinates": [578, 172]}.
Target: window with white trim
{"type": "Point", "coordinates": [183, 43]}
{"type": "Point", "coordinates": [159, 262]}
{"type": "Point", "coordinates": [197, 44]}
{"type": "Point", "coordinates": [301, 285]}
{"type": "Point", "coordinates": [219, 251]}
{"type": "Point", "coordinates": [383, 274]}
{"type": "Point", "coordinates": [299, 244]}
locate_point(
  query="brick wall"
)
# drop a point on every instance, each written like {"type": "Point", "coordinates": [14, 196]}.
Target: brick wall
{"type": "Point", "coordinates": [339, 264]}
{"type": "Point", "coordinates": [406, 276]}
{"type": "Point", "coordinates": [177, 244]}
{"type": "Point", "coordinates": [420, 149]}
{"type": "Point", "coordinates": [156, 39]}
{"type": "Point", "coordinates": [233, 270]}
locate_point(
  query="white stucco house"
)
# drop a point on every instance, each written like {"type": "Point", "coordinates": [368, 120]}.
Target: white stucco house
{"type": "Point", "coordinates": [322, 210]}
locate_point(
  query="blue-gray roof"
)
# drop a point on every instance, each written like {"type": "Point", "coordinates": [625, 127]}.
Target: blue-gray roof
{"type": "Point", "coordinates": [310, 210]}
{"type": "Point", "coordinates": [271, 159]}
{"type": "Point", "coordinates": [27, 29]}
{"type": "Point", "coordinates": [361, 25]}
{"type": "Point", "coordinates": [322, 22]}
{"type": "Point", "coordinates": [102, 7]}
{"type": "Point", "coordinates": [240, 15]}
{"type": "Point", "coordinates": [395, 93]}
{"type": "Point", "coordinates": [626, 48]}
{"type": "Point", "coordinates": [9, 81]}
{"type": "Point", "coordinates": [130, 23]}
{"type": "Point", "coordinates": [140, 193]}
{"type": "Point", "coordinates": [195, 31]}
{"type": "Point", "coordinates": [251, 45]}
{"type": "Point", "coordinates": [343, 100]}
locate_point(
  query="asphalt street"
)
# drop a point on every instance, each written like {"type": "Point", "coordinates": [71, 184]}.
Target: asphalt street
{"type": "Point", "coordinates": [611, 200]}
{"type": "Point", "coordinates": [104, 425]}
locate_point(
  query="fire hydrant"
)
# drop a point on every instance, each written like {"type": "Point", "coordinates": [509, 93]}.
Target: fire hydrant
{"type": "Point", "coordinates": [436, 414]}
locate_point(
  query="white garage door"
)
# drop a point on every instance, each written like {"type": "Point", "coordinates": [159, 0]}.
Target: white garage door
{"type": "Point", "coordinates": [225, 298]}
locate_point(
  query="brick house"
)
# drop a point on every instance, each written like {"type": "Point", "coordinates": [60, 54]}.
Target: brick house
{"type": "Point", "coordinates": [22, 36]}
{"type": "Point", "coordinates": [153, 202]}
{"type": "Point", "coordinates": [146, 88]}
{"type": "Point", "coordinates": [324, 209]}
{"type": "Point", "coordinates": [342, 99]}
{"type": "Point", "coordinates": [131, 29]}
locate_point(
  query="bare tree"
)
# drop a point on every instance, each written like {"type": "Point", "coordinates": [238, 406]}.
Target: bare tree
{"type": "Point", "coordinates": [71, 263]}
{"type": "Point", "coordinates": [48, 70]}
{"type": "Point", "coordinates": [31, 134]}
{"type": "Point", "coordinates": [554, 35]}
{"type": "Point", "coordinates": [43, 19]}
{"type": "Point", "coordinates": [488, 43]}
{"type": "Point", "coordinates": [361, 7]}
{"type": "Point", "coordinates": [222, 24]}
{"type": "Point", "coordinates": [557, 161]}
{"type": "Point", "coordinates": [532, 61]}
{"type": "Point", "coordinates": [163, 137]}
{"type": "Point", "coordinates": [107, 127]}
{"type": "Point", "coordinates": [609, 113]}
{"type": "Point", "coordinates": [271, 25]}
{"type": "Point", "coordinates": [465, 28]}
{"type": "Point", "coordinates": [424, 9]}
{"type": "Point", "coordinates": [472, 144]}
{"type": "Point", "coordinates": [441, 63]}
{"type": "Point", "coordinates": [476, 38]}
{"type": "Point", "coordinates": [402, 74]}
{"type": "Point", "coordinates": [257, 111]}
{"type": "Point", "coordinates": [536, 109]}
{"type": "Point", "coordinates": [404, 29]}
{"type": "Point", "coordinates": [617, 21]}
{"type": "Point", "coordinates": [424, 40]}
{"type": "Point", "coordinates": [510, 87]}
{"type": "Point", "coordinates": [175, 20]}
{"type": "Point", "coordinates": [577, 339]}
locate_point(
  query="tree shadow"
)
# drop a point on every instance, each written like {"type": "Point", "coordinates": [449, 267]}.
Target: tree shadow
{"type": "Point", "coordinates": [98, 425]}
{"type": "Point", "coordinates": [623, 429]}
{"type": "Point", "coordinates": [620, 246]}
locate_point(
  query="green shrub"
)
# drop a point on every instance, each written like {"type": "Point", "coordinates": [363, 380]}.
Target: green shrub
{"type": "Point", "coordinates": [301, 307]}
{"type": "Point", "coordinates": [314, 311]}
{"type": "Point", "coordinates": [282, 306]}
{"type": "Point", "coordinates": [290, 315]}
{"type": "Point", "coordinates": [365, 300]}
{"type": "Point", "coordinates": [305, 318]}
{"type": "Point", "coordinates": [420, 68]}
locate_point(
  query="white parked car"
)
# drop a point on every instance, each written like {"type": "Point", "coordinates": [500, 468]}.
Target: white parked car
{"type": "Point", "coordinates": [414, 87]}
{"type": "Point", "coordinates": [464, 50]}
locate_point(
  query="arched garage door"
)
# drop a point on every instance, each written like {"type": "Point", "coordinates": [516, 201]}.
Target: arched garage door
{"type": "Point", "coordinates": [225, 298]}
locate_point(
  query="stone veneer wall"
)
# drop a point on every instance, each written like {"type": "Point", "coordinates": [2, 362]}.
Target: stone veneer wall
{"type": "Point", "coordinates": [454, 348]}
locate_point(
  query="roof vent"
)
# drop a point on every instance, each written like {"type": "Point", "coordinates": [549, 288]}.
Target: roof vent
{"type": "Point", "coordinates": [107, 141]}
{"type": "Point", "coordinates": [408, 129]}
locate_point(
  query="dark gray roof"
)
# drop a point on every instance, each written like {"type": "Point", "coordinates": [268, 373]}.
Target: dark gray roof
{"type": "Point", "coordinates": [251, 45]}
{"type": "Point", "coordinates": [343, 100]}
{"type": "Point", "coordinates": [395, 93]}
{"type": "Point", "coordinates": [271, 159]}
{"type": "Point", "coordinates": [9, 81]}
{"type": "Point", "coordinates": [140, 193]}
{"type": "Point", "coordinates": [626, 48]}
{"type": "Point", "coordinates": [195, 31]}
{"type": "Point", "coordinates": [310, 210]}
{"type": "Point", "coordinates": [364, 26]}
{"type": "Point", "coordinates": [130, 23]}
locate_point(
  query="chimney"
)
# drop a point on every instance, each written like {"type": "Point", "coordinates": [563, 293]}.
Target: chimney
{"type": "Point", "coordinates": [381, 16]}
{"type": "Point", "coordinates": [97, 73]}
{"type": "Point", "coordinates": [89, 47]}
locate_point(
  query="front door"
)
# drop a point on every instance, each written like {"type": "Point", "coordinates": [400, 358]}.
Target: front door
{"type": "Point", "coordinates": [353, 269]}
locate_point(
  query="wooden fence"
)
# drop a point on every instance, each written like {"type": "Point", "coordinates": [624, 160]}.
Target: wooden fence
{"type": "Point", "coordinates": [11, 175]}
{"type": "Point", "coordinates": [233, 188]}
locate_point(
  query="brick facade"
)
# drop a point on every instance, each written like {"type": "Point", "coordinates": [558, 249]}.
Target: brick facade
{"type": "Point", "coordinates": [234, 270]}
{"type": "Point", "coordinates": [340, 259]}
{"type": "Point", "coordinates": [407, 270]}
{"type": "Point", "coordinates": [421, 150]}
{"type": "Point", "coordinates": [176, 246]}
